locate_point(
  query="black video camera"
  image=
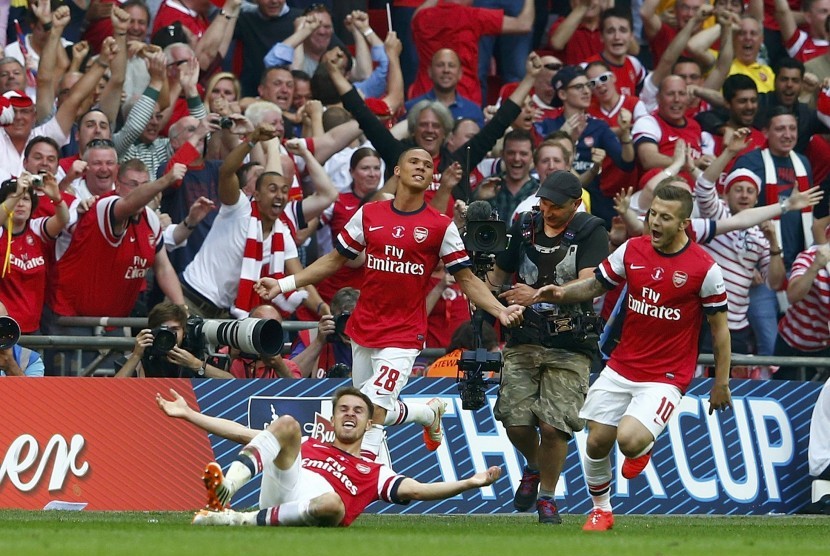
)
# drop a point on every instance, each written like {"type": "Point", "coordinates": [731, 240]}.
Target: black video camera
{"type": "Point", "coordinates": [472, 367]}
{"type": "Point", "coordinates": [484, 236]}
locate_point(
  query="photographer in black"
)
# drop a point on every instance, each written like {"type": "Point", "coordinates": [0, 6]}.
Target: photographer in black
{"type": "Point", "coordinates": [548, 359]}
{"type": "Point", "coordinates": [158, 350]}
{"type": "Point", "coordinates": [327, 352]}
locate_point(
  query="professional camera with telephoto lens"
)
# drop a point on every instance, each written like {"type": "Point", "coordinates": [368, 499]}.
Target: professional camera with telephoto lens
{"type": "Point", "coordinates": [250, 335]}
{"type": "Point", "coordinates": [164, 340]}
{"type": "Point", "coordinates": [473, 366]}
{"type": "Point", "coordinates": [339, 327]}
{"type": "Point", "coordinates": [9, 332]}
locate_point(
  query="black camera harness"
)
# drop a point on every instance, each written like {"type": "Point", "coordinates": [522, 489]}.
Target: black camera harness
{"type": "Point", "coordinates": [580, 226]}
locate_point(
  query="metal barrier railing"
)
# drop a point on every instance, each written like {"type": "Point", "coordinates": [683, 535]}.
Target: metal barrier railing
{"type": "Point", "coordinates": [107, 344]}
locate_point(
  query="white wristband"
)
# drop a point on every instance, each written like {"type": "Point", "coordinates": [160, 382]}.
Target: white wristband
{"type": "Point", "coordinates": [368, 32]}
{"type": "Point", "coordinates": [784, 207]}
{"type": "Point", "coordinates": [287, 284]}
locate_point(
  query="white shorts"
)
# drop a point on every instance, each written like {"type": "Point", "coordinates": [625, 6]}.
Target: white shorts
{"type": "Point", "coordinates": [611, 397]}
{"type": "Point", "coordinates": [381, 373]}
{"type": "Point", "coordinates": [295, 483]}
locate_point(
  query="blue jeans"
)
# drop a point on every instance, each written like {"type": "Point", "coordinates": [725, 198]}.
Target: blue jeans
{"type": "Point", "coordinates": [763, 318]}
{"type": "Point", "coordinates": [510, 50]}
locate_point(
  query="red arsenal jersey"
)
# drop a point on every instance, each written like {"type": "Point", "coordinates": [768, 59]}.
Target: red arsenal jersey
{"type": "Point", "coordinates": [336, 216]}
{"type": "Point", "coordinates": [667, 297]}
{"type": "Point", "coordinates": [101, 273]}
{"type": "Point", "coordinates": [402, 249]}
{"type": "Point", "coordinates": [23, 288]}
{"type": "Point", "coordinates": [357, 481]}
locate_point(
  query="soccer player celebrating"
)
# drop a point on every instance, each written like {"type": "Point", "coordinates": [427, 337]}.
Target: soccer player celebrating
{"type": "Point", "coordinates": [403, 239]}
{"type": "Point", "coordinates": [308, 483]}
{"type": "Point", "coordinates": [672, 282]}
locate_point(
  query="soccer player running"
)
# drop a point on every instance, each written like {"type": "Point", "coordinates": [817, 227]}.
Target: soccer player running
{"type": "Point", "coordinates": [672, 283]}
{"type": "Point", "coordinates": [308, 483]}
{"type": "Point", "coordinates": [403, 239]}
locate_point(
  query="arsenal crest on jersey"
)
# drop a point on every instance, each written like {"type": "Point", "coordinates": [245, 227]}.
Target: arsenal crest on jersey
{"type": "Point", "coordinates": [420, 234]}
{"type": "Point", "coordinates": [679, 278]}
{"type": "Point", "coordinates": [363, 468]}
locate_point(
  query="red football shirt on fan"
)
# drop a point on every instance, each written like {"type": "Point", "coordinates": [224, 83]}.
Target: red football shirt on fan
{"type": "Point", "coordinates": [172, 11]}
{"type": "Point", "coordinates": [655, 129]}
{"type": "Point", "coordinates": [667, 298]}
{"type": "Point", "coordinates": [583, 44]}
{"type": "Point", "coordinates": [459, 28]}
{"type": "Point", "coordinates": [450, 312]}
{"type": "Point", "coordinates": [23, 288]}
{"type": "Point", "coordinates": [100, 273]}
{"type": "Point", "coordinates": [336, 216]}
{"type": "Point", "coordinates": [818, 153]}
{"type": "Point", "coordinates": [803, 47]}
{"type": "Point", "coordinates": [402, 249]}
{"type": "Point", "coordinates": [613, 179]}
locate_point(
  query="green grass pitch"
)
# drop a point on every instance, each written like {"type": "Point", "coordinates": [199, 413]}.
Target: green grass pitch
{"type": "Point", "coordinates": [169, 533]}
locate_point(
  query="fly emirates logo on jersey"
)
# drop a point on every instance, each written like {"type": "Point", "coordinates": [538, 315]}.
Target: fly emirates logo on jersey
{"type": "Point", "coordinates": [27, 263]}
{"type": "Point", "coordinates": [137, 270]}
{"type": "Point", "coordinates": [649, 305]}
{"type": "Point", "coordinates": [393, 262]}
{"type": "Point", "coordinates": [334, 468]}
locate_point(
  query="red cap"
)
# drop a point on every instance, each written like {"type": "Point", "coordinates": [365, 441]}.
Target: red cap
{"type": "Point", "coordinates": [18, 99]}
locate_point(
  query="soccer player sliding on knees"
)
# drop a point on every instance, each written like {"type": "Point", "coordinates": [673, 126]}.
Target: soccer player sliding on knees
{"type": "Point", "coordinates": [307, 483]}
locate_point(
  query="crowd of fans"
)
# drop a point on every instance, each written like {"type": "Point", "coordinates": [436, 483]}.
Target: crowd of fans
{"type": "Point", "coordinates": [182, 149]}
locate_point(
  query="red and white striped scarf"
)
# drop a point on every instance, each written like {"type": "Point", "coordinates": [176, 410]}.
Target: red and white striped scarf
{"type": "Point", "coordinates": [252, 269]}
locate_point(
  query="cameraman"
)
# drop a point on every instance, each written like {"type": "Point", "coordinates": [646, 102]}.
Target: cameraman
{"type": "Point", "coordinates": [252, 365]}
{"type": "Point", "coordinates": [327, 351]}
{"type": "Point", "coordinates": [148, 360]}
{"type": "Point", "coordinates": [17, 360]}
{"type": "Point", "coordinates": [546, 366]}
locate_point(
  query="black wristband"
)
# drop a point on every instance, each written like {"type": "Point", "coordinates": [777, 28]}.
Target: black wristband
{"type": "Point", "coordinates": [47, 26]}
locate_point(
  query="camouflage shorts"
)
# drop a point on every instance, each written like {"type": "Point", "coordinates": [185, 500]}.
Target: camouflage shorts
{"type": "Point", "coordinates": [543, 384]}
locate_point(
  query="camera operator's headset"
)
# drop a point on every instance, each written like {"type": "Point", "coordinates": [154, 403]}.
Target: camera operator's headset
{"type": "Point", "coordinates": [581, 226]}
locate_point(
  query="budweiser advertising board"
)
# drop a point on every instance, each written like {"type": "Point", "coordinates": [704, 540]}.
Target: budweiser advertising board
{"type": "Point", "coordinates": [99, 442]}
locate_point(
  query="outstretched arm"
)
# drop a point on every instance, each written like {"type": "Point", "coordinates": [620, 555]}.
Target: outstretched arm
{"type": "Point", "coordinates": [178, 409]}
{"type": "Point", "coordinates": [754, 216]}
{"type": "Point", "coordinates": [269, 288]}
{"type": "Point", "coordinates": [559, 38]}
{"type": "Point", "coordinates": [480, 294]}
{"type": "Point", "coordinates": [411, 489]}
{"type": "Point", "coordinates": [572, 292]}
